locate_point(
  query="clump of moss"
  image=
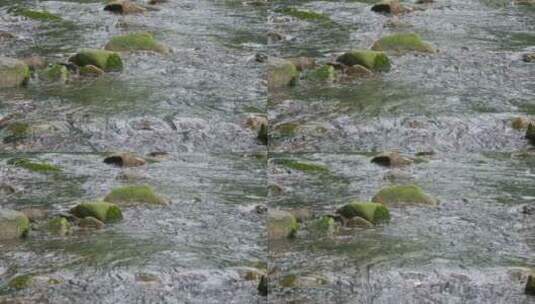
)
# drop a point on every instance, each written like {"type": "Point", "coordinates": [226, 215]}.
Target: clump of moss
{"type": "Point", "coordinates": [281, 224]}
{"type": "Point", "coordinates": [404, 194]}
{"type": "Point", "coordinates": [136, 42]}
{"type": "Point", "coordinates": [55, 72]}
{"type": "Point", "coordinates": [102, 59]}
{"type": "Point", "coordinates": [134, 194]}
{"type": "Point", "coordinates": [402, 42]}
{"type": "Point", "coordinates": [324, 73]}
{"type": "Point", "coordinates": [36, 15]}
{"type": "Point", "coordinates": [305, 15]}
{"type": "Point", "coordinates": [103, 211]}
{"type": "Point", "coordinates": [300, 166]}
{"type": "Point", "coordinates": [21, 281]}
{"type": "Point", "coordinates": [373, 60]}
{"type": "Point", "coordinates": [17, 131]}
{"type": "Point", "coordinates": [29, 165]}
{"type": "Point", "coordinates": [372, 212]}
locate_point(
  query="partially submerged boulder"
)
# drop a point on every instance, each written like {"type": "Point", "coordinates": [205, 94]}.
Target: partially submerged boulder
{"type": "Point", "coordinates": [143, 41]}
{"type": "Point", "coordinates": [402, 43]}
{"type": "Point", "coordinates": [124, 7]}
{"type": "Point", "coordinates": [392, 7]}
{"type": "Point", "coordinates": [135, 195]}
{"type": "Point", "coordinates": [281, 73]}
{"type": "Point", "coordinates": [103, 211]}
{"type": "Point", "coordinates": [13, 72]}
{"type": "Point", "coordinates": [125, 160]}
{"type": "Point", "coordinates": [403, 195]}
{"type": "Point", "coordinates": [373, 212]}
{"type": "Point", "coordinates": [373, 60]}
{"type": "Point", "coordinates": [103, 59]}
{"type": "Point", "coordinates": [13, 224]}
{"type": "Point", "coordinates": [391, 159]}
{"type": "Point", "coordinates": [281, 224]}
{"type": "Point", "coordinates": [521, 123]}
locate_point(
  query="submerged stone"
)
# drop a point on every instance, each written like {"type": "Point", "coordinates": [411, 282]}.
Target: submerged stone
{"type": "Point", "coordinates": [135, 195]}
{"type": "Point", "coordinates": [530, 57]}
{"type": "Point", "coordinates": [303, 63]}
{"type": "Point", "coordinates": [401, 43]}
{"type": "Point", "coordinates": [59, 226]}
{"type": "Point", "coordinates": [281, 73]}
{"type": "Point", "coordinates": [54, 73]}
{"type": "Point", "coordinates": [13, 224]}
{"type": "Point", "coordinates": [393, 7]}
{"type": "Point", "coordinates": [403, 195]}
{"type": "Point", "coordinates": [373, 212]}
{"type": "Point", "coordinates": [325, 225]}
{"type": "Point", "coordinates": [21, 281]}
{"type": "Point", "coordinates": [373, 60]}
{"type": "Point", "coordinates": [324, 73]}
{"type": "Point", "coordinates": [124, 7]}
{"type": "Point", "coordinates": [391, 159]}
{"type": "Point", "coordinates": [259, 124]}
{"type": "Point", "coordinates": [103, 211]}
{"type": "Point", "coordinates": [91, 70]}
{"type": "Point", "coordinates": [13, 72]}
{"type": "Point", "coordinates": [305, 15]}
{"type": "Point", "coordinates": [125, 160]}
{"type": "Point", "coordinates": [103, 59]}
{"type": "Point", "coordinates": [281, 224]}
{"type": "Point", "coordinates": [16, 131]}
{"type": "Point", "coordinates": [136, 42]}
{"type": "Point", "coordinates": [301, 166]}
{"type": "Point", "coordinates": [90, 222]}
{"type": "Point", "coordinates": [29, 165]}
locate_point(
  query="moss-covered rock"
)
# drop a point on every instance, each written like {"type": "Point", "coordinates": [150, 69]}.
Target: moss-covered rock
{"type": "Point", "coordinates": [325, 225]}
{"type": "Point", "coordinates": [21, 281]}
{"type": "Point", "coordinates": [281, 73]}
{"type": "Point", "coordinates": [125, 160]}
{"type": "Point", "coordinates": [373, 60]}
{"type": "Point", "coordinates": [91, 70]}
{"type": "Point", "coordinates": [36, 15]}
{"type": "Point", "coordinates": [59, 226]}
{"type": "Point", "coordinates": [13, 72]}
{"type": "Point", "coordinates": [393, 7]}
{"type": "Point", "coordinates": [13, 224]}
{"type": "Point", "coordinates": [530, 133]}
{"type": "Point", "coordinates": [403, 195]}
{"type": "Point", "coordinates": [54, 73]}
{"type": "Point", "coordinates": [402, 43]}
{"type": "Point", "coordinates": [372, 212]}
{"type": "Point", "coordinates": [136, 42]}
{"type": "Point", "coordinates": [16, 131]}
{"type": "Point", "coordinates": [306, 15]}
{"type": "Point", "coordinates": [302, 166]}
{"type": "Point", "coordinates": [324, 73]}
{"type": "Point", "coordinates": [391, 159]}
{"type": "Point", "coordinates": [38, 167]}
{"type": "Point", "coordinates": [103, 211]}
{"type": "Point", "coordinates": [124, 7]}
{"type": "Point", "coordinates": [90, 222]}
{"type": "Point", "coordinates": [135, 195]}
{"type": "Point", "coordinates": [281, 224]}
{"type": "Point", "coordinates": [102, 59]}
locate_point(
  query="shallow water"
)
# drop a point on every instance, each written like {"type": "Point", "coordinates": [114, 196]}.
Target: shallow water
{"type": "Point", "coordinates": [476, 247]}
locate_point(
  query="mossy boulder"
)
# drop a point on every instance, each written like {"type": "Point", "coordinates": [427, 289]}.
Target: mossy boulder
{"type": "Point", "coordinates": [136, 42]}
{"type": "Point", "coordinates": [124, 7]}
{"type": "Point", "coordinates": [402, 43]}
{"type": "Point", "coordinates": [129, 195]}
{"type": "Point", "coordinates": [372, 212]}
{"type": "Point", "coordinates": [13, 72]}
{"type": "Point", "coordinates": [38, 167]}
{"type": "Point", "coordinates": [530, 133]}
{"type": "Point", "coordinates": [54, 73]}
{"type": "Point", "coordinates": [324, 73]}
{"type": "Point", "coordinates": [125, 160]}
{"type": "Point", "coordinates": [373, 60]}
{"type": "Point", "coordinates": [324, 225]}
{"type": "Point", "coordinates": [13, 224]}
{"type": "Point", "coordinates": [103, 211]}
{"type": "Point", "coordinates": [21, 281]}
{"type": "Point", "coordinates": [392, 7]}
{"type": "Point", "coordinates": [281, 224]}
{"type": "Point", "coordinates": [281, 73]}
{"type": "Point", "coordinates": [17, 131]}
{"type": "Point", "coordinates": [102, 59]}
{"type": "Point", "coordinates": [91, 70]}
{"type": "Point", "coordinates": [403, 195]}
{"type": "Point", "coordinates": [59, 226]}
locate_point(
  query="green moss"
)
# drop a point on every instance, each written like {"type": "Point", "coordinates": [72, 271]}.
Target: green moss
{"type": "Point", "coordinates": [16, 131]}
{"type": "Point", "coordinates": [373, 60]}
{"type": "Point", "coordinates": [281, 224]}
{"type": "Point", "coordinates": [288, 281]}
{"type": "Point", "coordinates": [134, 194]}
{"type": "Point", "coordinates": [300, 166]}
{"type": "Point", "coordinates": [402, 42]}
{"type": "Point", "coordinates": [286, 129]}
{"type": "Point", "coordinates": [136, 42]}
{"type": "Point", "coordinates": [305, 15]}
{"type": "Point", "coordinates": [36, 15]}
{"type": "Point", "coordinates": [33, 166]}
{"type": "Point", "coordinates": [372, 212]}
{"type": "Point", "coordinates": [21, 281]}
{"type": "Point", "coordinates": [103, 211]}
{"type": "Point", "coordinates": [103, 59]}
{"type": "Point", "coordinates": [56, 72]}
{"type": "Point", "coordinates": [281, 73]}
{"type": "Point", "coordinates": [324, 225]}
{"type": "Point", "coordinates": [324, 73]}
{"type": "Point", "coordinates": [405, 194]}
{"type": "Point", "coordinates": [59, 226]}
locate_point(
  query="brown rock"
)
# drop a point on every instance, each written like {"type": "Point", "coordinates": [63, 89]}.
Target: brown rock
{"type": "Point", "coordinates": [124, 7]}
{"type": "Point", "coordinates": [391, 159]}
{"type": "Point", "coordinates": [35, 62]}
{"type": "Point", "coordinates": [125, 160]}
{"type": "Point", "coordinates": [303, 63]}
{"type": "Point", "coordinates": [35, 214]}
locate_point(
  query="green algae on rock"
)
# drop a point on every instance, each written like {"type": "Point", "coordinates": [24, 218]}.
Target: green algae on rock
{"type": "Point", "coordinates": [403, 195]}
{"type": "Point", "coordinates": [29, 165]}
{"type": "Point", "coordinates": [401, 43]}
{"type": "Point", "coordinates": [13, 224]}
{"type": "Point", "coordinates": [324, 225]}
{"type": "Point", "coordinates": [91, 70]}
{"type": "Point", "coordinates": [20, 281]}
{"type": "Point", "coordinates": [134, 195]}
{"type": "Point", "coordinates": [90, 222]}
{"type": "Point", "coordinates": [373, 60]}
{"type": "Point", "coordinates": [59, 226]}
{"type": "Point", "coordinates": [301, 166]}
{"type": "Point", "coordinates": [305, 15]}
{"type": "Point", "coordinates": [36, 15]}
{"type": "Point", "coordinates": [372, 212]}
{"type": "Point", "coordinates": [281, 224]}
{"type": "Point", "coordinates": [103, 59]}
{"type": "Point", "coordinates": [103, 211]}
{"type": "Point", "coordinates": [13, 72]}
{"type": "Point", "coordinates": [54, 73]}
{"type": "Point", "coordinates": [281, 73]}
{"type": "Point", "coordinates": [136, 42]}
{"type": "Point", "coordinates": [324, 73]}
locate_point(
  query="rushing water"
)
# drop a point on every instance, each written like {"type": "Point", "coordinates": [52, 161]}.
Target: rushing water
{"type": "Point", "coordinates": [476, 247]}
